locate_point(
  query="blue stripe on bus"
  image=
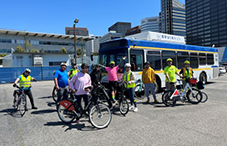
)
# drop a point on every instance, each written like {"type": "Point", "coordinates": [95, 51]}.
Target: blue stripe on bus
{"type": "Point", "coordinates": [214, 66]}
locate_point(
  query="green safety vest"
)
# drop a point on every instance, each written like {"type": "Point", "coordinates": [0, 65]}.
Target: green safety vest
{"type": "Point", "coordinates": [73, 72]}
{"type": "Point", "coordinates": [25, 82]}
{"type": "Point", "coordinates": [187, 73]}
{"type": "Point", "coordinates": [127, 77]}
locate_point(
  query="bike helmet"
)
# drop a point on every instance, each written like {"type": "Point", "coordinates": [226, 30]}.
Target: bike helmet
{"type": "Point", "coordinates": [169, 60]}
{"type": "Point", "coordinates": [186, 62]}
{"type": "Point", "coordinates": [27, 70]}
{"type": "Point", "coordinates": [128, 65]}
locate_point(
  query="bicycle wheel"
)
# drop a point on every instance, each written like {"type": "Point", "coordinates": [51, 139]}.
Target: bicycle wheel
{"type": "Point", "coordinates": [124, 106]}
{"type": "Point", "coordinates": [100, 116]}
{"type": "Point", "coordinates": [54, 94]}
{"type": "Point", "coordinates": [22, 104]}
{"type": "Point", "coordinates": [16, 100]}
{"type": "Point", "coordinates": [66, 116]}
{"type": "Point", "coordinates": [166, 99]}
{"type": "Point", "coordinates": [205, 97]}
{"type": "Point", "coordinates": [139, 92]}
{"type": "Point", "coordinates": [195, 96]}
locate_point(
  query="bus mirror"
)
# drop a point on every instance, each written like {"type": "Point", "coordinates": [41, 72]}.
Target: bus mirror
{"type": "Point", "coordinates": [91, 57]}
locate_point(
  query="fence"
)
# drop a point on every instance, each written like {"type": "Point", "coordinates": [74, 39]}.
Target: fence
{"type": "Point", "coordinates": [9, 74]}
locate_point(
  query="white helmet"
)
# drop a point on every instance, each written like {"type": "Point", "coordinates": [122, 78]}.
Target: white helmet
{"type": "Point", "coordinates": [27, 70]}
{"type": "Point", "coordinates": [128, 65]}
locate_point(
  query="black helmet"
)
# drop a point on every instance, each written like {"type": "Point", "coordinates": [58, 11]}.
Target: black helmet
{"type": "Point", "coordinates": [84, 65]}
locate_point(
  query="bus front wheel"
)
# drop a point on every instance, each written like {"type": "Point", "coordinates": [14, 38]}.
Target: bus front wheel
{"type": "Point", "coordinates": [203, 78]}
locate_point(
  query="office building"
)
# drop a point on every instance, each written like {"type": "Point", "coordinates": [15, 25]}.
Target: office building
{"type": "Point", "coordinates": [92, 46]}
{"type": "Point", "coordinates": [134, 30]}
{"type": "Point", "coordinates": [79, 31]}
{"type": "Point", "coordinates": [110, 36]}
{"type": "Point", "coordinates": [172, 18]}
{"type": "Point", "coordinates": [206, 22]}
{"type": "Point", "coordinates": [150, 24]}
{"type": "Point", "coordinates": [120, 27]}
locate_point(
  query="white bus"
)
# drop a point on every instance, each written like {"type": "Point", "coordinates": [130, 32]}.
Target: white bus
{"type": "Point", "coordinates": [204, 60]}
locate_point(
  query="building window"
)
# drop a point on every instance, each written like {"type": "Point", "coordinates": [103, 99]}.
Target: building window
{"type": "Point", "coordinates": [202, 59]}
{"type": "Point", "coordinates": [194, 60]}
{"type": "Point", "coordinates": [154, 57]}
{"type": "Point", "coordinates": [210, 59]}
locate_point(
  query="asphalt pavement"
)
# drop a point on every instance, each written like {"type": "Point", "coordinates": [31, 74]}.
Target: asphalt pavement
{"type": "Point", "coordinates": [184, 125]}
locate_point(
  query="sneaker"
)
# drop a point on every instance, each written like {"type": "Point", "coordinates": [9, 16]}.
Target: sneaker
{"type": "Point", "coordinates": [148, 101]}
{"type": "Point", "coordinates": [115, 102]}
{"type": "Point", "coordinates": [131, 108]}
{"type": "Point", "coordinates": [34, 107]}
{"type": "Point", "coordinates": [135, 109]}
{"type": "Point", "coordinates": [156, 101]}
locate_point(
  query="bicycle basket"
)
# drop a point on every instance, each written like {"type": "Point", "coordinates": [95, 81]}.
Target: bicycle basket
{"type": "Point", "coordinates": [193, 81]}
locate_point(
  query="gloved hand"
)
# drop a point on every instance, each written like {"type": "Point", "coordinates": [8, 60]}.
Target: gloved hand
{"type": "Point", "coordinates": [14, 85]}
{"type": "Point", "coordinates": [34, 80]}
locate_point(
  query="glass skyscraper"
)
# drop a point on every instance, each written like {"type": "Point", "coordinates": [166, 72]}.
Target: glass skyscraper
{"type": "Point", "coordinates": [172, 18]}
{"type": "Point", "coordinates": [206, 22]}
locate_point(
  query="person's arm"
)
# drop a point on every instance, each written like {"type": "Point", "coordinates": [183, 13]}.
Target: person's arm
{"type": "Point", "coordinates": [88, 83]}
{"type": "Point", "coordinates": [122, 61]}
{"type": "Point", "coordinates": [143, 77]}
{"type": "Point", "coordinates": [177, 73]}
{"type": "Point", "coordinates": [192, 74]}
{"type": "Point", "coordinates": [181, 71]}
{"type": "Point", "coordinates": [17, 80]}
{"type": "Point", "coordinates": [133, 78]}
{"type": "Point", "coordinates": [56, 80]}
{"type": "Point", "coordinates": [167, 75]}
{"type": "Point", "coordinates": [70, 72]}
{"type": "Point", "coordinates": [153, 75]}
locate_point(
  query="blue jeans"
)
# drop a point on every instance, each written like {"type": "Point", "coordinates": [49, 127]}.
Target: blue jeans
{"type": "Point", "coordinates": [150, 86]}
{"type": "Point", "coordinates": [131, 93]}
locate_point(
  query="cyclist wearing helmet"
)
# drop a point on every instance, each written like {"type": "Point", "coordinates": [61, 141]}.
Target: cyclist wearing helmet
{"type": "Point", "coordinates": [130, 83]}
{"type": "Point", "coordinates": [25, 82]}
{"type": "Point", "coordinates": [112, 77]}
{"type": "Point", "coordinates": [81, 85]}
{"type": "Point", "coordinates": [73, 71]}
{"type": "Point", "coordinates": [170, 71]}
{"type": "Point", "coordinates": [187, 71]}
{"type": "Point", "coordinates": [148, 79]}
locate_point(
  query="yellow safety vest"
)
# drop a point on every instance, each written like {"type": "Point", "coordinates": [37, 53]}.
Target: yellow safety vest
{"type": "Point", "coordinates": [25, 82]}
{"type": "Point", "coordinates": [73, 72]}
{"type": "Point", "coordinates": [187, 73]}
{"type": "Point", "coordinates": [127, 77]}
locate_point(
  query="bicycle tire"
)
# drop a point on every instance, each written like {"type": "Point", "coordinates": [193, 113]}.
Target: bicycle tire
{"type": "Point", "coordinates": [54, 94]}
{"type": "Point", "coordinates": [64, 113]}
{"type": "Point", "coordinates": [123, 106]}
{"type": "Point", "coordinates": [166, 99]}
{"type": "Point", "coordinates": [194, 98]}
{"type": "Point", "coordinates": [98, 112]}
{"type": "Point", "coordinates": [16, 100]}
{"type": "Point", "coordinates": [204, 97]}
{"type": "Point", "coordinates": [22, 105]}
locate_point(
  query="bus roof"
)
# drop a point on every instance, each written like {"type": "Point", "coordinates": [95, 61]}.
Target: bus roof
{"type": "Point", "coordinates": [144, 44]}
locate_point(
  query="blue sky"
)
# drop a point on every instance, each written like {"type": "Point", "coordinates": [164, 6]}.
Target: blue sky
{"type": "Point", "coordinates": [52, 16]}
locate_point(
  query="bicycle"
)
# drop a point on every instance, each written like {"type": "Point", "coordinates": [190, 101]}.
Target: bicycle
{"type": "Point", "coordinates": [20, 102]}
{"type": "Point", "coordinates": [193, 95]}
{"type": "Point", "coordinates": [55, 94]}
{"type": "Point", "coordinates": [97, 112]}
{"type": "Point", "coordinates": [139, 90]}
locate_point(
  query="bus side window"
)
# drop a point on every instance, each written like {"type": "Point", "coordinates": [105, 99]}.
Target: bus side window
{"type": "Point", "coordinates": [136, 60]}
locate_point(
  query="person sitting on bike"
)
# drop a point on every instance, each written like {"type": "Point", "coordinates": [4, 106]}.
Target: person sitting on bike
{"type": "Point", "coordinates": [61, 81]}
{"type": "Point", "coordinates": [130, 83]}
{"type": "Point", "coordinates": [73, 71]}
{"type": "Point", "coordinates": [81, 85]}
{"type": "Point", "coordinates": [25, 82]}
{"type": "Point", "coordinates": [148, 79]}
{"type": "Point", "coordinates": [187, 72]}
{"type": "Point", "coordinates": [170, 71]}
{"type": "Point", "coordinates": [96, 75]}
{"type": "Point", "coordinates": [112, 77]}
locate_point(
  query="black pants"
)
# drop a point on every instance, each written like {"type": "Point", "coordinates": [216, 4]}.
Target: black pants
{"type": "Point", "coordinates": [30, 96]}
{"type": "Point", "coordinates": [85, 98]}
{"type": "Point", "coordinates": [62, 92]}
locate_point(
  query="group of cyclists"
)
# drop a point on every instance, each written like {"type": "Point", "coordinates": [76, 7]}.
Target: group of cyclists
{"type": "Point", "coordinates": [80, 82]}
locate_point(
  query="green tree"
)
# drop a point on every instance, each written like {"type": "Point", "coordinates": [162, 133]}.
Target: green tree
{"type": "Point", "coordinates": [63, 50]}
{"type": "Point", "coordinates": [19, 49]}
{"type": "Point", "coordinates": [3, 55]}
{"type": "Point", "coordinates": [95, 53]}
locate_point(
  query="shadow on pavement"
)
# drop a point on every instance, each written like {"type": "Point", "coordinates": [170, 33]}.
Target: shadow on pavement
{"type": "Point", "coordinates": [45, 97]}
{"type": "Point", "coordinates": [46, 111]}
{"type": "Point", "coordinates": [51, 104]}
{"type": "Point", "coordinates": [78, 126]}
{"type": "Point", "coordinates": [12, 112]}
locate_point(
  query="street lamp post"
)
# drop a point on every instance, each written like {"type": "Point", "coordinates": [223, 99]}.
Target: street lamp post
{"type": "Point", "coordinates": [74, 27]}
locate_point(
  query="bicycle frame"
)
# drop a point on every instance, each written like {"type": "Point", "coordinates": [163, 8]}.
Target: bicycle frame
{"type": "Point", "coordinates": [187, 86]}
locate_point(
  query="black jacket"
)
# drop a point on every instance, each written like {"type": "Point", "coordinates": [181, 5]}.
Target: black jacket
{"type": "Point", "coordinates": [96, 76]}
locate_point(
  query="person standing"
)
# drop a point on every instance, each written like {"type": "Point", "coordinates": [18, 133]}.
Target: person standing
{"type": "Point", "coordinates": [61, 81]}
{"type": "Point", "coordinates": [96, 75]}
{"type": "Point", "coordinates": [170, 71]}
{"type": "Point", "coordinates": [130, 83]}
{"type": "Point", "coordinates": [112, 77]}
{"type": "Point", "coordinates": [148, 79]}
{"type": "Point", "coordinates": [25, 82]}
{"type": "Point", "coordinates": [73, 71]}
{"type": "Point", "coordinates": [81, 85]}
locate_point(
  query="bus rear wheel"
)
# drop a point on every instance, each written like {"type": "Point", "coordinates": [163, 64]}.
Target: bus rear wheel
{"type": "Point", "coordinates": [157, 86]}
